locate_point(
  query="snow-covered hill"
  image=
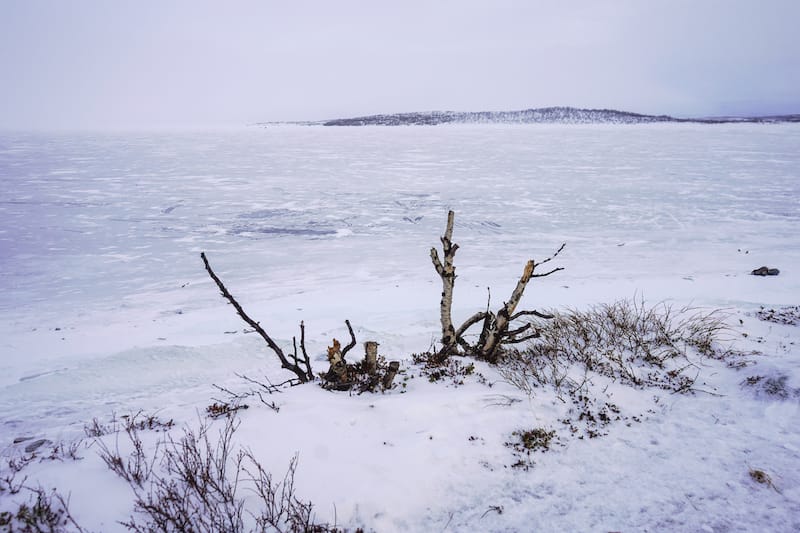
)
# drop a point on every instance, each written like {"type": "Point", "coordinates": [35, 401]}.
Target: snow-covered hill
{"type": "Point", "coordinates": [543, 115]}
{"type": "Point", "coordinates": [559, 115]}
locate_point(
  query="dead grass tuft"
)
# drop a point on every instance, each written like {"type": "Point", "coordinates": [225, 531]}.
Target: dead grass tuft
{"type": "Point", "coordinates": [527, 441]}
{"type": "Point", "coordinates": [451, 370]}
{"type": "Point", "coordinates": [761, 477]}
{"type": "Point", "coordinates": [45, 511]}
{"type": "Point", "coordinates": [788, 315]}
{"type": "Point", "coordinates": [626, 341]}
{"type": "Point", "coordinates": [580, 355]}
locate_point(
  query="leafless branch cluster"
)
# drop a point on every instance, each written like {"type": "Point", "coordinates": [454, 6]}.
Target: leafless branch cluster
{"type": "Point", "coordinates": [62, 451]}
{"type": "Point", "coordinates": [341, 375]}
{"type": "Point", "coordinates": [43, 511]}
{"type": "Point", "coordinates": [496, 328]}
{"type": "Point", "coordinates": [138, 421]}
{"type": "Point", "coordinates": [200, 483]}
{"type": "Point", "coordinates": [134, 467]}
{"type": "Point", "coordinates": [235, 402]}
{"type": "Point", "coordinates": [496, 331]}
{"type": "Point", "coordinates": [281, 510]}
{"type": "Point", "coordinates": [11, 466]}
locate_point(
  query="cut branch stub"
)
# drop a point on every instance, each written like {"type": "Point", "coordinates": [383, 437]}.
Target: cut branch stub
{"type": "Point", "coordinates": [337, 376]}
{"type": "Point", "coordinates": [335, 352]}
{"type": "Point", "coordinates": [391, 372]}
{"type": "Point", "coordinates": [371, 356]}
{"type": "Point", "coordinates": [302, 375]}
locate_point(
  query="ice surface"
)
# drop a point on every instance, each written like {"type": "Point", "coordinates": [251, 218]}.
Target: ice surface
{"type": "Point", "coordinates": [104, 304]}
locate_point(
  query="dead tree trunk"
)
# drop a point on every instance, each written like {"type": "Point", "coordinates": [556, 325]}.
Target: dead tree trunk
{"type": "Point", "coordinates": [447, 272]}
{"type": "Point", "coordinates": [495, 327]}
{"type": "Point", "coordinates": [495, 331]}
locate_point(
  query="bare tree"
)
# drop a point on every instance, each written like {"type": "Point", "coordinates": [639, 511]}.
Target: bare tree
{"type": "Point", "coordinates": [496, 330]}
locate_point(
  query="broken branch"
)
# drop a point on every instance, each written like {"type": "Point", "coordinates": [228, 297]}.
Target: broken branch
{"type": "Point", "coordinates": [301, 375]}
{"type": "Point", "coordinates": [352, 339]}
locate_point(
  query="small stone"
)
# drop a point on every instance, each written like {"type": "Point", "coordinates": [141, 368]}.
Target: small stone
{"type": "Point", "coordinates": [21, 439]}
{"type": "Point", "coordinates": [35, 445]}
{"type": "Point", "coordinates": [765, 271]}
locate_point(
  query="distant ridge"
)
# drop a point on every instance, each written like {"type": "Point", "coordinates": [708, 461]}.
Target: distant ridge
{"type": "Point", "coordinates": [562, 115]}
{"type": "Point", "coordinates": [542, 115]}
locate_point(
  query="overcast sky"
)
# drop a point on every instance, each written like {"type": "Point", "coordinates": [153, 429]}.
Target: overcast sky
{"type": "Point", "coordinates": [161, 63]}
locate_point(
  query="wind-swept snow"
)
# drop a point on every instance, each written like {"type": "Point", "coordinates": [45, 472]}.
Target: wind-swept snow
{"type": "Point", "coordinates": [105, 307]}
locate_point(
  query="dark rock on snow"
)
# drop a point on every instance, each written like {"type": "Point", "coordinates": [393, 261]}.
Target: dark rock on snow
{"type": "Point", "coordinates": [35, 445]}
{"type": "Point", "coordinates": [765, 271]}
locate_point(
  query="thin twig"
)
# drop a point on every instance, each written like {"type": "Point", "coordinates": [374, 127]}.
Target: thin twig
{"type": "Point", "coordinates": [552, 256]}
{"type": "Point", "coordinates": [532, 313]}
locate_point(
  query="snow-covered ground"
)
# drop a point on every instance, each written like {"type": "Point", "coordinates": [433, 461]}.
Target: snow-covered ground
{"type": "Point", "coordinates": [105, 308]}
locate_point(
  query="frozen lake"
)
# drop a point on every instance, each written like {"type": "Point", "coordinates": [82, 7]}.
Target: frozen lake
{"type": "Point", "coordinates": [100, 279]}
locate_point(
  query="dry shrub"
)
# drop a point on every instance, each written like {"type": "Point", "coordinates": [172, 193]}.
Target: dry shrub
{"type": "Point", "coordinates": [200, 483]}
{"type": "Point", "coordinates": [224, 409]}
{"type": "Point", "coordinates": [788, 315]}
{"type": "Point", "coordinates": [45, 511]}
{"type": "Point", "coordinates": [626, 341]}
{"type": "Point", "coordinates": [138, 421]}
{"type": "Point", "coordinates": [771, 387]}
{"type": "Point", "coordinates": [759, 476]}
{"type": "Point", "coordinates": [526, 441]}
{"type": "Point", "coordinates": [437, 369]}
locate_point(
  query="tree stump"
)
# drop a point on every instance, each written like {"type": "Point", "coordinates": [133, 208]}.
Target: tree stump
{"type": "Point", "coordinates": [337, 375]}
{"type": "Point", "coordinates": [371, 357]}
{"type": "Point", "coordinates": [391, 372]}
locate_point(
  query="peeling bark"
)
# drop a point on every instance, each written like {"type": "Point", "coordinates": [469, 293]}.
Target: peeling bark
{"type": "Point", "coordinates": [391, 372]}
{"type": "Point", "coordinates": [371, 356]}
{"type": "Point", "coordinates": [499, 327]}
{"type": "Point", "coordinates": [447, 272]}
{"type": "Point", "coordinates": [337, 376]}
